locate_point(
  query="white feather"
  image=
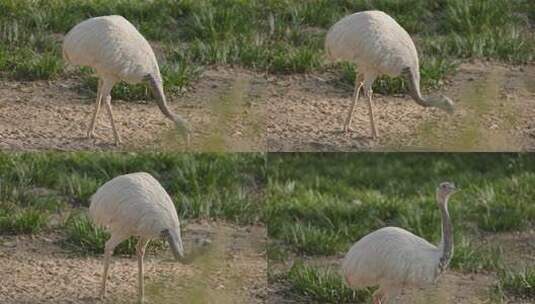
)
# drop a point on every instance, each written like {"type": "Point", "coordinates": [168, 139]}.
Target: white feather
{"type": "Point", "coordinates": [378, 45]}
{"type": "Point", "coordinates": [394, 258]}
{"type": "Point", "coordinates": [134, 205]}
{"type": "Point", "coordinates": [117, 51]}
{"type": "Point", "coordinates": [374, 41]}
{"type": "Point", "coordinates": [113, 47]}
{"type": "Point", "coordinates": [391, 256]}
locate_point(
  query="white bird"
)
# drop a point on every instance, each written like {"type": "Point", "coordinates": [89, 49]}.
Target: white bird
{"type": "Point", "coordinates": [394, 258]}
{"type": "Point", "coordinates": [378, 45]}
{"type": "Point", "coordinates": [135, 205]}
{"type": "Point", "coordinates": [114, 48]}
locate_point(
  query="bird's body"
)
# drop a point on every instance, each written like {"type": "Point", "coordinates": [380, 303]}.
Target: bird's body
{"type": "Point", "coordinates": [378, 45]}
{"type": "Point", "coordinates": [393, 258]}
{"type": "Point", "coordinates": [115, 49]}
{"type": "Point", "coordinates": [135, 205]}
{"type": "Point", "coordinates": [374, 41]}
{"type": "Point", "coordinates": [122, 53]}
{"type": "Point", "coordinates": [416, 257]}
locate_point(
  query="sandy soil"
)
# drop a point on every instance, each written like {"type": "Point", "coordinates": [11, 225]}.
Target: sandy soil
{"type": "Point", "coordinates": [495, 106]}
{"type": "Point", "coordinates": [452, 287]}
{"type": "Point", "coordinates": [232, 269]}
{"type": "Point", "coordinates": [233, 109]}
{"type": "Point", "coordinates": [223, 107]}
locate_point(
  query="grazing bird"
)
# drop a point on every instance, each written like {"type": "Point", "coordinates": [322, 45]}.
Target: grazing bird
{"type": "Point", "coordinates": [378, 45]}
{"type": "Point", "coordinates": [114, 48]}
{"type": "Point", "coordinates": [394, 258]}
{"type": "Point", "coordinates": [135, 205]}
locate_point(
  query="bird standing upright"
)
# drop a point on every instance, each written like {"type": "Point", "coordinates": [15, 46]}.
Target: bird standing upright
{"type": "Point", "coordinates": [378, 45]}
{"type": "Point", "coordinates": [115, 49]}
{"type": "Point", "coordinates": [394, 258]}
{"type": "Point", "coordinates": [135, 205]}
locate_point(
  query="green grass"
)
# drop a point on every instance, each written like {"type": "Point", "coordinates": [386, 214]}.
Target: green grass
{"type": "Point", "coordinates": [84, 237]}
{"type": "Point", "coordinates": [323, 286]}
{"type": "Point", "coordinates": [320, 204]}
{"type": "Point", "coordinates": [472, 258]}
{"type": "Point", "coordinates": [22, 221]}
{"type": "Point", "coordinates": [34, 186]}
{"type": "Point", "coordinates": [517, 284]}
{"type": "Point", "coordinates": [270, 35]}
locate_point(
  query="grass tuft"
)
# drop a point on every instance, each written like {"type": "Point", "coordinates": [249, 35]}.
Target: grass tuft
{"type": "Point", "coordinates": [518, 284]}
{"type": "Point", "coordinates": [84, 237]}
{"type": "Point", "coordinates": [323, 285]}
{"type": "Point", "coordinates": [22, 221]}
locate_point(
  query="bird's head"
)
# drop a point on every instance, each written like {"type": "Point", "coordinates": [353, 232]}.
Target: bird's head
{"type": "Point", "coordinates": [175, 242]}
{"type": "Point", "coordinates": [443, 102]}
{"type": "Point", "coordinates": [445, 189]}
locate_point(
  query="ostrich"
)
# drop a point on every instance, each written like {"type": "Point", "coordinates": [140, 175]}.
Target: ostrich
{"type": "Point", "coordinates": [114, 48]}
{"type": "Point", "coordinates": [378, 45]}
{"type": "Point", "coordinates": [394, 258]}
{"type": "Point", "coordinates": [135, 205]}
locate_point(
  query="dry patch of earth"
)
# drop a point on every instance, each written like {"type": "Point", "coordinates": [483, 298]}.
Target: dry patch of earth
{"type": "Point", "coordinates": [233, 109]}
{"type": "Point", "coordinates": [223, 106]}
{"type": "Point", "coordinates": [232, 269]}
{"type": "Point", "coordinates": [495, 107]}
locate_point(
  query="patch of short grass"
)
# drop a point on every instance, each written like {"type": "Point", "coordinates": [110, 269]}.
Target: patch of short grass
{"type": "Point", "coordinates": [433, 70]}
{"type": "Point", "coordinates": [517, 284]}
{"type": "Point", "coordinates": [22, 221]}
{"type": "Point", "coordinates": [275, 36]}
{"type": "Point", "coordinates": [84, 237]}
{"type": "Point", "coordinates": [307, 239]}
{"type": "Point", "coordinates": [471, 258]}
{"type": "Point", "coordinates": [322, 286]}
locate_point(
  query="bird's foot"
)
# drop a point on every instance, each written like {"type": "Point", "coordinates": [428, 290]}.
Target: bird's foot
{"type": "Point", "coordinates": [118, 141]}
{"type": "Point", "coordinates": [90, 134]}
{"type": "Point", "coordinates": [347, 130]}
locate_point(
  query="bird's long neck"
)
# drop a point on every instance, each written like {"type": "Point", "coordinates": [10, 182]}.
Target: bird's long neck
{"type": "Point", "coordinates": [446, 243]}
{"type": "Point", "coordinates": [175, 242]}
{"type": "Point", "coordinates": [157, 89]}
{"type": "Point", "coordinates": [413, 82]}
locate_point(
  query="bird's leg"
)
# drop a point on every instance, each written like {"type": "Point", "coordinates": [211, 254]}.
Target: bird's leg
{"type": "Point", "coordinates": [110, 114]}
{"type": "Point", "coordinates": [358, 86]}
{"type": "Point", "coordinates": [108, 251]}
{"type": "Point", "coordinates": [370, 111]}
{"type": "Point", "coordinates": [141, 245]}
{"type": "Point", "coordinates": [91, 130]}
{"type": "Point", "coordinates": [377, 296]}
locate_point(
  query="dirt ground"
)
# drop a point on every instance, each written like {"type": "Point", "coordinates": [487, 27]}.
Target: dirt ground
{"type": "Point", "coordinates": [223, 107]}
{"type": "Point", "coordinates": [452, 287]}
{"type": "Point", "coordinates": [233, 109]}
{"type": "Point", "coordinates": [231, 269]}
{"type": "Point", "coordinates": [495, 107]}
